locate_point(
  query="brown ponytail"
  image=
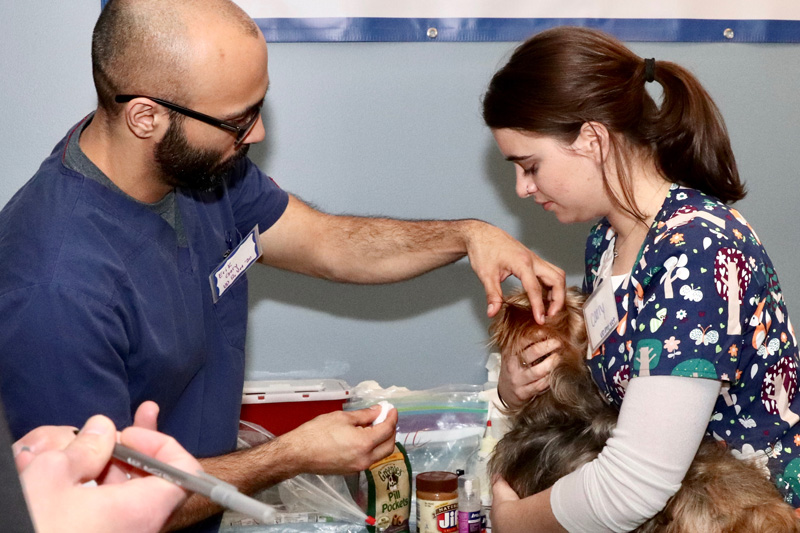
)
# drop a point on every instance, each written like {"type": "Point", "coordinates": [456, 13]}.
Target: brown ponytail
{"type": "Point", "coordinates": [564, 77]}
{"type": "Point", "coordinates": [691, 140]}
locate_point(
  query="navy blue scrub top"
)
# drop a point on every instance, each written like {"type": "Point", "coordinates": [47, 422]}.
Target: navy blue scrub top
{"type": "Point", "coordinates": [103, 310]}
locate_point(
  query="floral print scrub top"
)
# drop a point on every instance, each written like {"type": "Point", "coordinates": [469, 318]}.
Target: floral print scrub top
{"type": "Point", "coordinates": [703, 300]}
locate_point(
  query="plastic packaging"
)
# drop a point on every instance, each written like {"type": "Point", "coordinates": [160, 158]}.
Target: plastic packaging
{"type": "Point", "coordinates": [478, 463]}
{"type": "Point", "coordinates": [477, 466]}
{"type": "Point", "coordinates": [439, 428]}
{"type": "Point", "coordinates": [327, 495]}
{"type": "Point", "coordinates": [389, 492]}
{"type": "Point", "coordinates": [470, 513]}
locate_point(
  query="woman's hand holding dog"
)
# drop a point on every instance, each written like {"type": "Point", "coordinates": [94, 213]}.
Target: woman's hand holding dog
{"type": "Point", "coordinates": [523, 377]}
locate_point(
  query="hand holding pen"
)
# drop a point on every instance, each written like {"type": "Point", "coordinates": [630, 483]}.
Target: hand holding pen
{"type": "Point", "coordinates": [214, 489]}
{"type": "Point", "coordinates": [53, 477]}
{"type": "Point", "coordinates": [54, 465]}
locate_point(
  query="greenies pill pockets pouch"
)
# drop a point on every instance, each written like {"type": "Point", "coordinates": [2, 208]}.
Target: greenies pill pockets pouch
{"type": "Point", "coordinates": [389, 492]}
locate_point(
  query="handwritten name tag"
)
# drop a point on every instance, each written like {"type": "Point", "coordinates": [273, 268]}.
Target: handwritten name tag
{"type": "Point", "coordinates": [235, 265]}
{"type": "Point", "coordinates": [600, 313]}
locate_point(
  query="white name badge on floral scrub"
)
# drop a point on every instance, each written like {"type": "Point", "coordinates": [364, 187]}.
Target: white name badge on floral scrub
{"type": "Point", "coordinates": [600, 309]}
{"type": "Point", "coordinates": [600, 313]}
{"type": "Point", "coordinates": [235, 264]}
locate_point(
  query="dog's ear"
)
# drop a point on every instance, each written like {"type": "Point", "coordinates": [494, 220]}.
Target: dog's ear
{"type": "Point", "coordinates": [568, 326]}
{"type": "Point", "coordinates": [575, 300]}
{"type": "Point", "coordinates": [515, 320]}
{"type": "Point", "coordinates": [515, 325]}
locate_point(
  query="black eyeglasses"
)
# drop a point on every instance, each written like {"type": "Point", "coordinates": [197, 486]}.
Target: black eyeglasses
{"type": "Point", "coordinates": [241, 131]}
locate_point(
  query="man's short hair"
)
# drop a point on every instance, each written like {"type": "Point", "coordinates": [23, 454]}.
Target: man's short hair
{"type": "Point", "coordinates": [139, 46]}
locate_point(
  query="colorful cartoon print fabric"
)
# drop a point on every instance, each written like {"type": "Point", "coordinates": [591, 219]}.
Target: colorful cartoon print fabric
{"type": "Point", "coordinates": [704, 300]}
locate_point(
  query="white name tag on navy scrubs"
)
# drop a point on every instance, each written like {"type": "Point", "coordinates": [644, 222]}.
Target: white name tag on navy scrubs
{"type": "Point", "coordinates": [236, 264]}
{"type": "Point", "coordinates": [600, 309]}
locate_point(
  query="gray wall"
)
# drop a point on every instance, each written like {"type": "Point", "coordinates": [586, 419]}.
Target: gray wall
{"type": "Point", "coordinates": [395, 129]}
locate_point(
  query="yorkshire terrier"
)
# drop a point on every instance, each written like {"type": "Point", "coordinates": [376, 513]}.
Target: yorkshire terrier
{"type": "Point", "coordinates": [567, 426]}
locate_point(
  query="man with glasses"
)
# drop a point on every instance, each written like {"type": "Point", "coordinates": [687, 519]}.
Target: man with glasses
{"type": "Point", "coordinates": [186, 167]}
{"type": "Point", "coordinates": [120, 255]}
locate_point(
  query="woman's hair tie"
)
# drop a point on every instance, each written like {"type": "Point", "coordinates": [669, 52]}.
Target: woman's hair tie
{"type": "Point", "coordinates": [650, 69]}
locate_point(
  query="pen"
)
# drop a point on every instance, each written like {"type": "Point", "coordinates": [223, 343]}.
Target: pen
{"type": "Point", "coordinates": [209, 486]}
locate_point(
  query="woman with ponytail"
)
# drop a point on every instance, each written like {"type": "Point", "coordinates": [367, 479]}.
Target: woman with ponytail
{"type": "Point", "coordinates": [687, 322]}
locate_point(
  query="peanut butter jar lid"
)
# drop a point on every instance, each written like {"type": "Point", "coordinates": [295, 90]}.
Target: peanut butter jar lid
{"type": "Point", "coordinates": [437, 481]}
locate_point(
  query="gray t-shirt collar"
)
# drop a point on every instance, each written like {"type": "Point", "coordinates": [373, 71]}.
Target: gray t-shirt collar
{"type": "Point", "coordinates": [167, 208]}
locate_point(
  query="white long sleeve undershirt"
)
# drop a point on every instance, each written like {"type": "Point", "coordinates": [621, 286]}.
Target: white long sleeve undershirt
{"type": "Point", "coordinates": [661, 423]}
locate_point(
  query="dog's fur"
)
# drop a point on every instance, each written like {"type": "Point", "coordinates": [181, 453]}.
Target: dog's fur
{"type": "Point", "coordinates": [567, 426]}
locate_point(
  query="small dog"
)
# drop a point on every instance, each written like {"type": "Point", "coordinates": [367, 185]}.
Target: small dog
{"type": "Point", "coordinates": [558, 431]}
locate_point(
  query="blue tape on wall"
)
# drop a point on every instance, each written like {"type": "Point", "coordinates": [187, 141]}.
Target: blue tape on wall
{"type": "Point", "coordinates": [516, 29]}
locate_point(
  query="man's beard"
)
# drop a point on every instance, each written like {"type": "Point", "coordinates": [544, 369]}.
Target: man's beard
{"type": "Point", "coordinates": [187, 167]}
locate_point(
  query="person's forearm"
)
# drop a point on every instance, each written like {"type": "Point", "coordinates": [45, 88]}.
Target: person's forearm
{"type": "Point", "coordinates": [645, 460]}
{"type": "Point", "coordinates": [363, 249]}
{"type": "Point", "coordinates": [381, 250]}
{"type": "Point", "coordinates": [528, 515]}
{"type": "Point", "coordinates": [249, 470]}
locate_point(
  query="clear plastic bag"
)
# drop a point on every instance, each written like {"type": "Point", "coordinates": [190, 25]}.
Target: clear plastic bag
{"type": "Point", "coordinates": [310, 500]}
{"type": "Point", "coordinates": [440, 427]}
{"type": "Point", "coordinates": [328, 495]}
